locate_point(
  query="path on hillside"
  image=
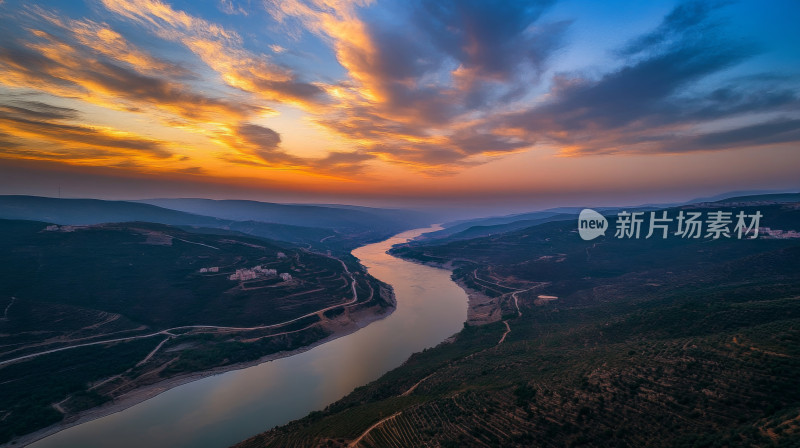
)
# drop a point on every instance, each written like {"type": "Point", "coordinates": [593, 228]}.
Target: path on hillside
{"type": "Point", "coordinates": [355, 443]}
{"type": "Point", "coordinates": [167, 331]}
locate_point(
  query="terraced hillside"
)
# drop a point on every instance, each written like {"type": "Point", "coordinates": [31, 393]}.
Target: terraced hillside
{"type": "Point", "coordinates": [90, 313]}
{"type": "Point", "coordinates": [605, 343]}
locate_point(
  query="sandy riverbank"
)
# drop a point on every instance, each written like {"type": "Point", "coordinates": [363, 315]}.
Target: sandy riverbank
{"type": "Point", "coordinates": [339, 327]}
{"type": "Point", "coordinates": [481, 309]}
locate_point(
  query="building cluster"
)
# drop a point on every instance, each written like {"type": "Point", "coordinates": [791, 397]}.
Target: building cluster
{"type": "Point", "coordinates": [211, 269]}
{"type": "Point", "coordinates": [281, 255]}
{"type": "Point", "coordinates": [779, 234]}
{"type": "Point", "coordinates": [258, 272]}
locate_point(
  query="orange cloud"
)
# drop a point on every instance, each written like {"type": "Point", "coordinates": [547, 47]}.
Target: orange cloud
{"type": "Point", "coordinates": [222, 51]}
{"type": "Point", "coordinates": [58, 67]}
{"type": "Point", "coordinates": [35, 130]}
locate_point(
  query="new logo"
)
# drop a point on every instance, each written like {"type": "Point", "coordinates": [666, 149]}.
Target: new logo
{"type": "Point", "coordinates": [591, 224]}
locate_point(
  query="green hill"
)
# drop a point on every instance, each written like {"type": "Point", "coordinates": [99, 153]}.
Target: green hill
{"type": "Point", "coordinates": [617, 343]}
{"type": "Point", "coordinates": [157, 294]}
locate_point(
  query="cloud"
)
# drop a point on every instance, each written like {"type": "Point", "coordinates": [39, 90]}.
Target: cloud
{"type": "Point", "coordinates": [490, 40]}
{"type": "Point", "coordinates": [435, 86]}
{"type": "Point", "coordinates": [194, 170]}
{"type": "Point", "coordinates": [39, 110]}
{"type": "Point", "coordinates": [230, 8]}
{"type": "Point", "coordinates": [220, 49]}
{"type": "Point", "coordinates": [446, 85]}
{"type": "Point", "coordinates": [39, 130]}
{"type": "Point", "coordinates": [657, 95]}
{"type": "Point", "coordinates": [687, 19]}
{"type": "Point", "coordinates": [783, 130]}
{"type": "Point", "coordinates": [104, 40]}
{"type": "Point", "coordinates": [424, 75]}
{"type": "Point", "coordinates": [341, 163]}
{"type": "Point", "coordinates": [262, 142]}
{"type": "Point", "coordinates": [63, 66]}
{"type": "Point", "coordinates": [258, 145]}
{"type": "Point", "coordinates": [90, 61]}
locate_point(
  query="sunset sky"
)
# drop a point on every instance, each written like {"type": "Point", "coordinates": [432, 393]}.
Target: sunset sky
{"type": "Point", "coordinates": [524, 104]}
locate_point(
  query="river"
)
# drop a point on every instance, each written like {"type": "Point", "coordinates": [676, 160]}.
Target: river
{"type": "Point", "coordinates": [220, 410]}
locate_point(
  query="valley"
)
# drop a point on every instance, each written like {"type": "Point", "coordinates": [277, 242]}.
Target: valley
{"type": "Point", "coordinates": [583, 343]}
{"type": "Point", "coordinates": [98, 312]}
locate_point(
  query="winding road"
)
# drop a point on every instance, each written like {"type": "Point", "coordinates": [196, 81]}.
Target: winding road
{"type": "Point", "coordinates": [167, 332]}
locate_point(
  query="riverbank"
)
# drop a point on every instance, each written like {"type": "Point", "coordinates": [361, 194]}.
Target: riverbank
{"type": "Point", "coordinates": [340, 326]}
{"type": "Point", "coordinates": [481, 309]}
{"type": "Point", "coordinates": [225, 409]}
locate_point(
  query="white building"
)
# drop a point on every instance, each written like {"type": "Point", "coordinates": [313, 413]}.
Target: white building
{"type": "Point", "coordinates": [251, 274]}
{"type": "Point", "coordinates": [285, 276]}
{"type": "Point", "coordinates": [243, 274]}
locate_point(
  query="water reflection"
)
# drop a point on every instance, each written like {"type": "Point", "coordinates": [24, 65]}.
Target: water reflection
{"type": "Point", "coordinates": [224, 409]}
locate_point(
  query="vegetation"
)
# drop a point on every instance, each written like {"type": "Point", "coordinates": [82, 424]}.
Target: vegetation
{"type": "Point", "coordinates": [63, 287]}
{"type": "Point", "coordinates": [646, 343]}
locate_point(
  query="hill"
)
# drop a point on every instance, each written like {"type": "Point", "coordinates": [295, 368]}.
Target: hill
{"type": "Point", "coordinates": [346, 230]}
{"type": "Point", "coordinates": [343, 218]}
{"type": "Point", "coordinates": [93, 312]}
{"type": "Point", "coordinates": [776, 197]}
{"type": "Point", "coordinates": [587, 342]}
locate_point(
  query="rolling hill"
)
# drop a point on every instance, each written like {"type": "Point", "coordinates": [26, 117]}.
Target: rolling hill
{"type": "Point", "coordinates": [338, 230]}
{"type": "Point", "coordinates": [91, 312]}
{"type": "Point", "coordinates": [612, 342]}
{"type": "Point", "coordinates": [346, 219]}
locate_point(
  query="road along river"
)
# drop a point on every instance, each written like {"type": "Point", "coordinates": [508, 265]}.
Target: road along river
{"type": "Point", "coordinates": [220, 410]}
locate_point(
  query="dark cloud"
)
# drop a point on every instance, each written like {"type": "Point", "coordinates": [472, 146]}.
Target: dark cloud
{"type": "Point", "coordinates": [157, 92]}
{"type": "Point", "coordinates": [473, 142]}
{"type": "Point", "coordinates": [192, 170]}
{"type": "Point", "coordinates": [784, 130]}
{"type": "Point", "coordinates": [443, 61]}
{"type": "Point", "coordinates": [264, 143]}
{"type": "Point", "coordinates": [491, 38]}
{"type": "Point", "coordinates": [688, 17]}
{"type": "Point", "coordinates": [439, 159]}
{"type": "Point", "coordinates": [264, 138]}
{"type": "Point", "coordinates": [634, 93]}
{"type": "Point", "coordinates": [293, 89]}
{"type": "Point", "coordinates": [39, 110]}
{"type": "Point", "coordinates": [658, 94]}
{"type": "Point", "coordinates": [410, 62]}
{"type": "Point", "coordinates": [342, 163]}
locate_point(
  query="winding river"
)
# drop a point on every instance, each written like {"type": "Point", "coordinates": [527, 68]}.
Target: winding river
{"type": "Point", "coordinates": [220, 410]}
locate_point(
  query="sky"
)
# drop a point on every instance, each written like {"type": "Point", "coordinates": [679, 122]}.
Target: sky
{"type": "Point", "coordinates": [461, 103]}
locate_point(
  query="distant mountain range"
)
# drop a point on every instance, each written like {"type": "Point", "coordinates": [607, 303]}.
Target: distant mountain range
{"type": "Point", "coordinates": [474, 228]}
{"type": "Point", "coordinates": [318, 227]}
{"type": "Point", "coordinates": [345, 218]}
